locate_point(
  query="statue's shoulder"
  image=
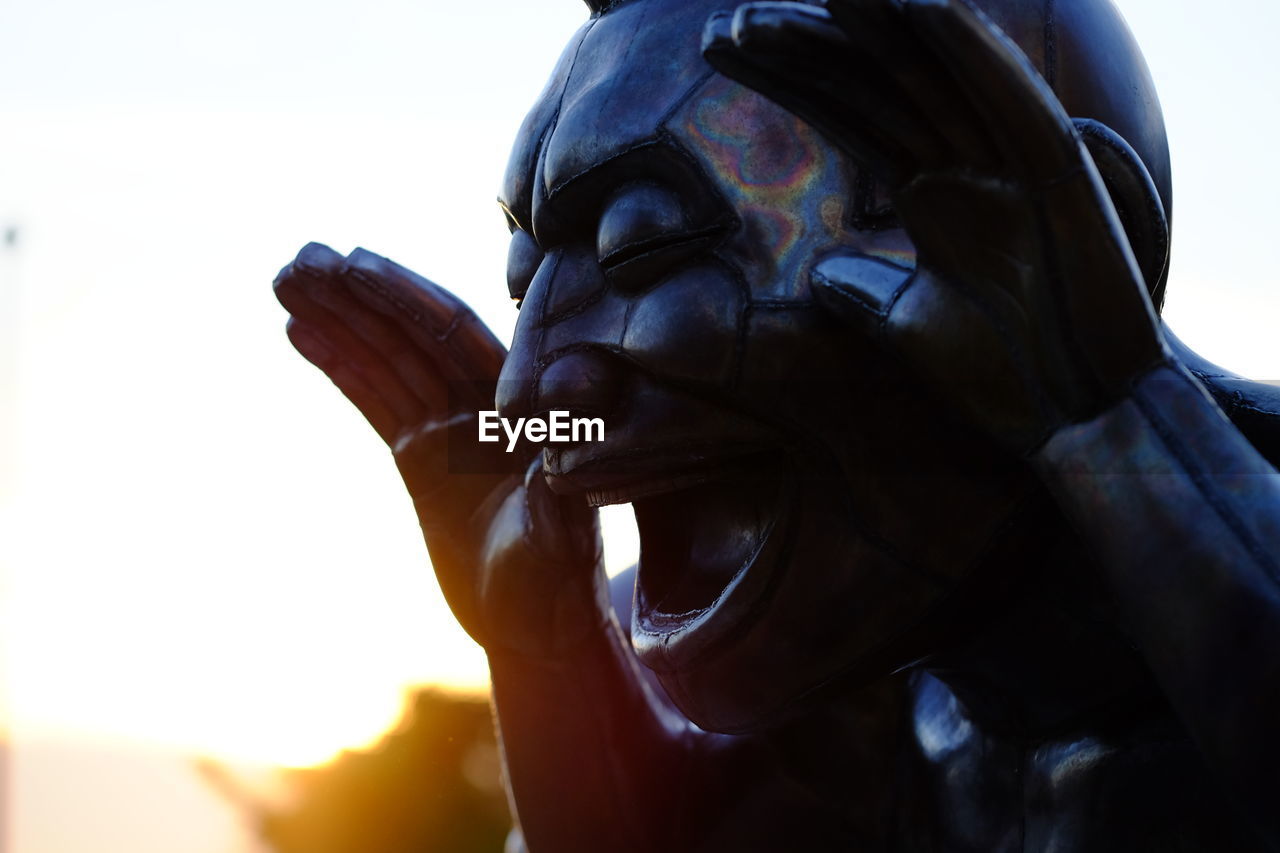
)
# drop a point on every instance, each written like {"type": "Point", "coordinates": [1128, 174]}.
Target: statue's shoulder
{"type": "Point", "coordinates": [1252, 405]}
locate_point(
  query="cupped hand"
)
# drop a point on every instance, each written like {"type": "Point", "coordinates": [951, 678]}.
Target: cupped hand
{"type": "Point", "coordinates": [519, 565]}
{"type": "Point", "coordinates": [1026, 310]}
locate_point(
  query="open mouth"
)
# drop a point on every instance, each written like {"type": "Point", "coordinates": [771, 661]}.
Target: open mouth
{"type": "Point", "coordinates": [694, 541]}
{"type": "Point", "coordinates": [713, 519]}
{"type": "Point", "coordinates": [708, 552]}
{"type": "Point", "coordinates": [699, 528]}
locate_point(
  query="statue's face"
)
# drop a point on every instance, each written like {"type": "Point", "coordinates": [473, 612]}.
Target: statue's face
{"type": "Point", "coordinates": [796, 497]}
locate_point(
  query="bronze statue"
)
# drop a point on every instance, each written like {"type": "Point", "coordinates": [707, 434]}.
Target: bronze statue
{"type": "Point", "coordinates": [946, 543]}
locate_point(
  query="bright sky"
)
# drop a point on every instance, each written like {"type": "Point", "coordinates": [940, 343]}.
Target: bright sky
{"type": "Point", "coordinates": [202, 545]}
{"type": "Point", "coordinates": [207, 546]}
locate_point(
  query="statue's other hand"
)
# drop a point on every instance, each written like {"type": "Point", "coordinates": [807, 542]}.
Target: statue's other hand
{"type": "Point", "coordinates": [1027, 309]}
{"type": "Point", "coordinates": [519, 566]}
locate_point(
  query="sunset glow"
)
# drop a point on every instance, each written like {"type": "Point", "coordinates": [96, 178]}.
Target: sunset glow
{"type": "Point", "coordinates": [203, 547]}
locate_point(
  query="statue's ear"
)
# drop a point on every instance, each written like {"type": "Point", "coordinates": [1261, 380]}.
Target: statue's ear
{"type": "Point", "coordinates": [1136, 201]}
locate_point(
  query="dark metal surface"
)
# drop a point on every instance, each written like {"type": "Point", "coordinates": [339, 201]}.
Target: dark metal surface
{"type": "Point", "coordinates": [945, 543]}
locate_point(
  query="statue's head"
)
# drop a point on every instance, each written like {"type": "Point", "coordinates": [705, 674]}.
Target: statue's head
{"type": "Point", "coordinates": [807, 514]}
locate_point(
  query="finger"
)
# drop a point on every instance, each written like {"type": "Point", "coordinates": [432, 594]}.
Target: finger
{"type": "Point", "coordinates": [968, 351]}
{"type": "Point", "coordinates": [355, 386]}
{"type": "Point", "coordinates": [880, 31]}
{"type": "Point", "coordinates": [789, 56]}
{"type": "Point", "coordinates": [877, 79]}
{"type": "Point", "coordinates": [566, 526]}
{"type": "Point", "coordinates": [436, 320]}
{"type": "Point", "coordinates": [315, 259]}
{"type": "Point", "coordinates": [1024, 116]}
{"type": "Point", "coordinates": [411, 403]}
{"type": "Point", "coordinates": [973, 355]}
{"type": "Point", "coordinates": [1112, 323]}
{"type": "Point", "coordinates": [312, 289]}
{"type": "Point", "coordinates": [859, 289]}
{"type": "Point", "coordinates": [475, 346]}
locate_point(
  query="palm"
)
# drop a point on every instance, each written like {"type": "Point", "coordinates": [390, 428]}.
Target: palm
{"type": "Point", "coordinates": [420, 365]}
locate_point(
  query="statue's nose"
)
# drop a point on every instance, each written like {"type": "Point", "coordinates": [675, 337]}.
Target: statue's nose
{"type": "Point", "coordinates": [581, 382]}
{"type": "Point", "coordinates": [560, 358]}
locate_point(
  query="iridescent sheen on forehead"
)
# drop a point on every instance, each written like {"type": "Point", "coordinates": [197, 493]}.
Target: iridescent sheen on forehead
{"type": "Point", "coordinates": [775, 170]}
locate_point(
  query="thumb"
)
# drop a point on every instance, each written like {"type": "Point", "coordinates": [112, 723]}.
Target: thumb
{"type": "Point", "coordinates": [954, 340]}
{"type": "Point", "coordinates": [560, 526]}
{"type": "Point", "coordinates": [859, 290]}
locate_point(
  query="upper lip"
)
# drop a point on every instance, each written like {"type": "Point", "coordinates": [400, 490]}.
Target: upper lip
{"type": "Point", "coordinates": [630, 474]}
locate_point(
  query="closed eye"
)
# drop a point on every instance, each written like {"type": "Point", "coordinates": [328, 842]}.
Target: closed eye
{"type": "Point", "coordinates": [640, 263]}
{"type": "Point", "coordinates": [660, 243]}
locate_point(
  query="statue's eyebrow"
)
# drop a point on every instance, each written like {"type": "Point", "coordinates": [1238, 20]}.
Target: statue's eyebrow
{"type": "Point", "coordinates": [658, 157]}
{"type": "Point", "coordinates": [621, 161]}
{"type": "Point", "coordinates": [520, 183]}
{"type": "Point", "coordinates": [513, 221]}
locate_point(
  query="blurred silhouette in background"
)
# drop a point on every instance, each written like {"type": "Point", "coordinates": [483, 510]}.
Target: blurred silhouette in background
{"type": "Point", "coordinates": [431, 784]}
